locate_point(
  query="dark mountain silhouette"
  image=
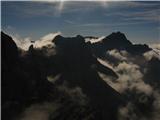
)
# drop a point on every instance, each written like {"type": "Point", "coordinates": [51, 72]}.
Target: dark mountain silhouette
{"type": "Point", "coordinates": [91, 37]}
{"type": "Point", "coordinates": [22, 82]}
{"type": "Point", "coordinates": [118, 41]}
{"type": "Point", "coordinates": [138, 49]}
{"type": "Point", "coordinates": [79, 67]}
{"type": "Point", "coordinates": [76, 53]}
{"type": "Point", "coordinates": [24, 79]}
{"type": "Point", "coordinates": [9, 48]}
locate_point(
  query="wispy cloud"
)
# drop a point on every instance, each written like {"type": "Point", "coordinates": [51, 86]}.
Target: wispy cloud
{"type": "Point", "coordinates": [80, 17]}
{"type": "Point", "coordinates": [25, 43]}
{"type": "Point", "coordinates": [70, 22]}
{"type": "Point", "coordinates": [53, 8]}
{"type": "Point", "coordinates": [146, 15]}
{"type": "Point", "coordinates": [113, 25]}
{"type": "Point", "coordinates": [150, 15]}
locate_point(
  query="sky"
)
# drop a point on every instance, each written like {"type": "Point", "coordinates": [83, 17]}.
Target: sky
{"type": "Point", "coordinates": [139, 21]}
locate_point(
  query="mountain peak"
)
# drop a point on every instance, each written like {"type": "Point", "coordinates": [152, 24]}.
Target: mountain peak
{"type": "Point", "coordinates": [120, 34]}
{"type": "Point", "coordinates": [117, 36]}
{"type": "Point", "coordinates": [116, 40]}
{"type": "Point", "coordinates": [119, 41]}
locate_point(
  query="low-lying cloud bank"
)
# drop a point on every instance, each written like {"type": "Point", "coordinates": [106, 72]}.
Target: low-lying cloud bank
{"type": "Point", "coordinates": [155, 46]}
{"type": "Point", "coordinates": [131, 83]}
{"type": "Point", "coordinates": [55, 108]}
{"type": "Point", "coordinates": [154, 53]}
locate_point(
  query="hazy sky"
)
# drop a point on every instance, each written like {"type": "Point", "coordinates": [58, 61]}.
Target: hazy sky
{"type": "Point", "coordinates": [140, 21]}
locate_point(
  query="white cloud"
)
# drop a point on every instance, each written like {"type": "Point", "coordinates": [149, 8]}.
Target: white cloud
{"type": "Point", "coordinates": [130, 75]}
{"type": "Point", "coordinates": [149, 55]}
{"type": "Point", "coordinates": [94, 40]}
{"type": "Point", "coordinates": [45, 40]}
{"type": "Point", "coordinates": [24, 43]}
{"type": "Point", "coordinates": [118, 54]}
{"type": "Point", "coordinates": [131, 79]}
{"type": "Point", "coordinates": [129, 111]}
{"type": "Point", "coordinates": [155, 46]}
{"type": "Point", "coordinates": [39, 111]}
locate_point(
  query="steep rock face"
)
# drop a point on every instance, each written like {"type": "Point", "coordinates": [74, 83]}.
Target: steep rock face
{"type": "Point", "coordinates": [118, 41]}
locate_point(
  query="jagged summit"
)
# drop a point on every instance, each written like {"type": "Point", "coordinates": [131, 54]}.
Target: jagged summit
{"type": "Point", "coordinates": [60, 40]}
{"type": "Point", "coordinates": [117, 35]}
{"type": "Point", "coordinates": [116, 40]}
{"type": "Point", "coordinates": [119, 41]}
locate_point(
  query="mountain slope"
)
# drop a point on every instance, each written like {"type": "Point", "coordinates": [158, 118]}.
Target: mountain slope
{"type": "Point", "coordinates": [25, 83]}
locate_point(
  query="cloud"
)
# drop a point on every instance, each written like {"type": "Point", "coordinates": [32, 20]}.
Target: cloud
{"type": "Point", "coordinates": [76, 93]}
{"type": "Point", "coordinates": [153, 53]}
{"type": "Point", "coordinates": [70, 22]}
{"type": "Point", "coordinates": [71, 99]}
{"type": "Point", "coordinates": [131, 83]}
{"type": "Point", "coordinates": [94, 40]}
{"type": "Point", "coordinates": [53, 8]}
{"type": "Point", "coordinates": [130, 75]}
{"type": "Point", "coordinates": [131, 112]}
{"type": "Point", "coordinates": [127, 112]}
{"type": "Point", "coordinates": [25, 43]}
{"type": "Point", "coordinates": [133, 4]}
{"type": "Point", "coordinates": [22, 43]}
{"type": "Point", "coordinates": [39, 111]}
{"type": "Point", "coordinates": [148, 15]}
{"type": "Point", "coordinates": [149, 55]}
{"type": "Point", "coordinates": [130, 78]}
{"type": "Point", "coordinates": [142, 13]}
{"type": "Point", "coordinates": [155, 46]}
{"type": "Point", "coordinates": [119, 55]}
{"type": "Point", "coordinates": [46, 40]}
{"type": "Point", "coordinates": [116, 24]}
